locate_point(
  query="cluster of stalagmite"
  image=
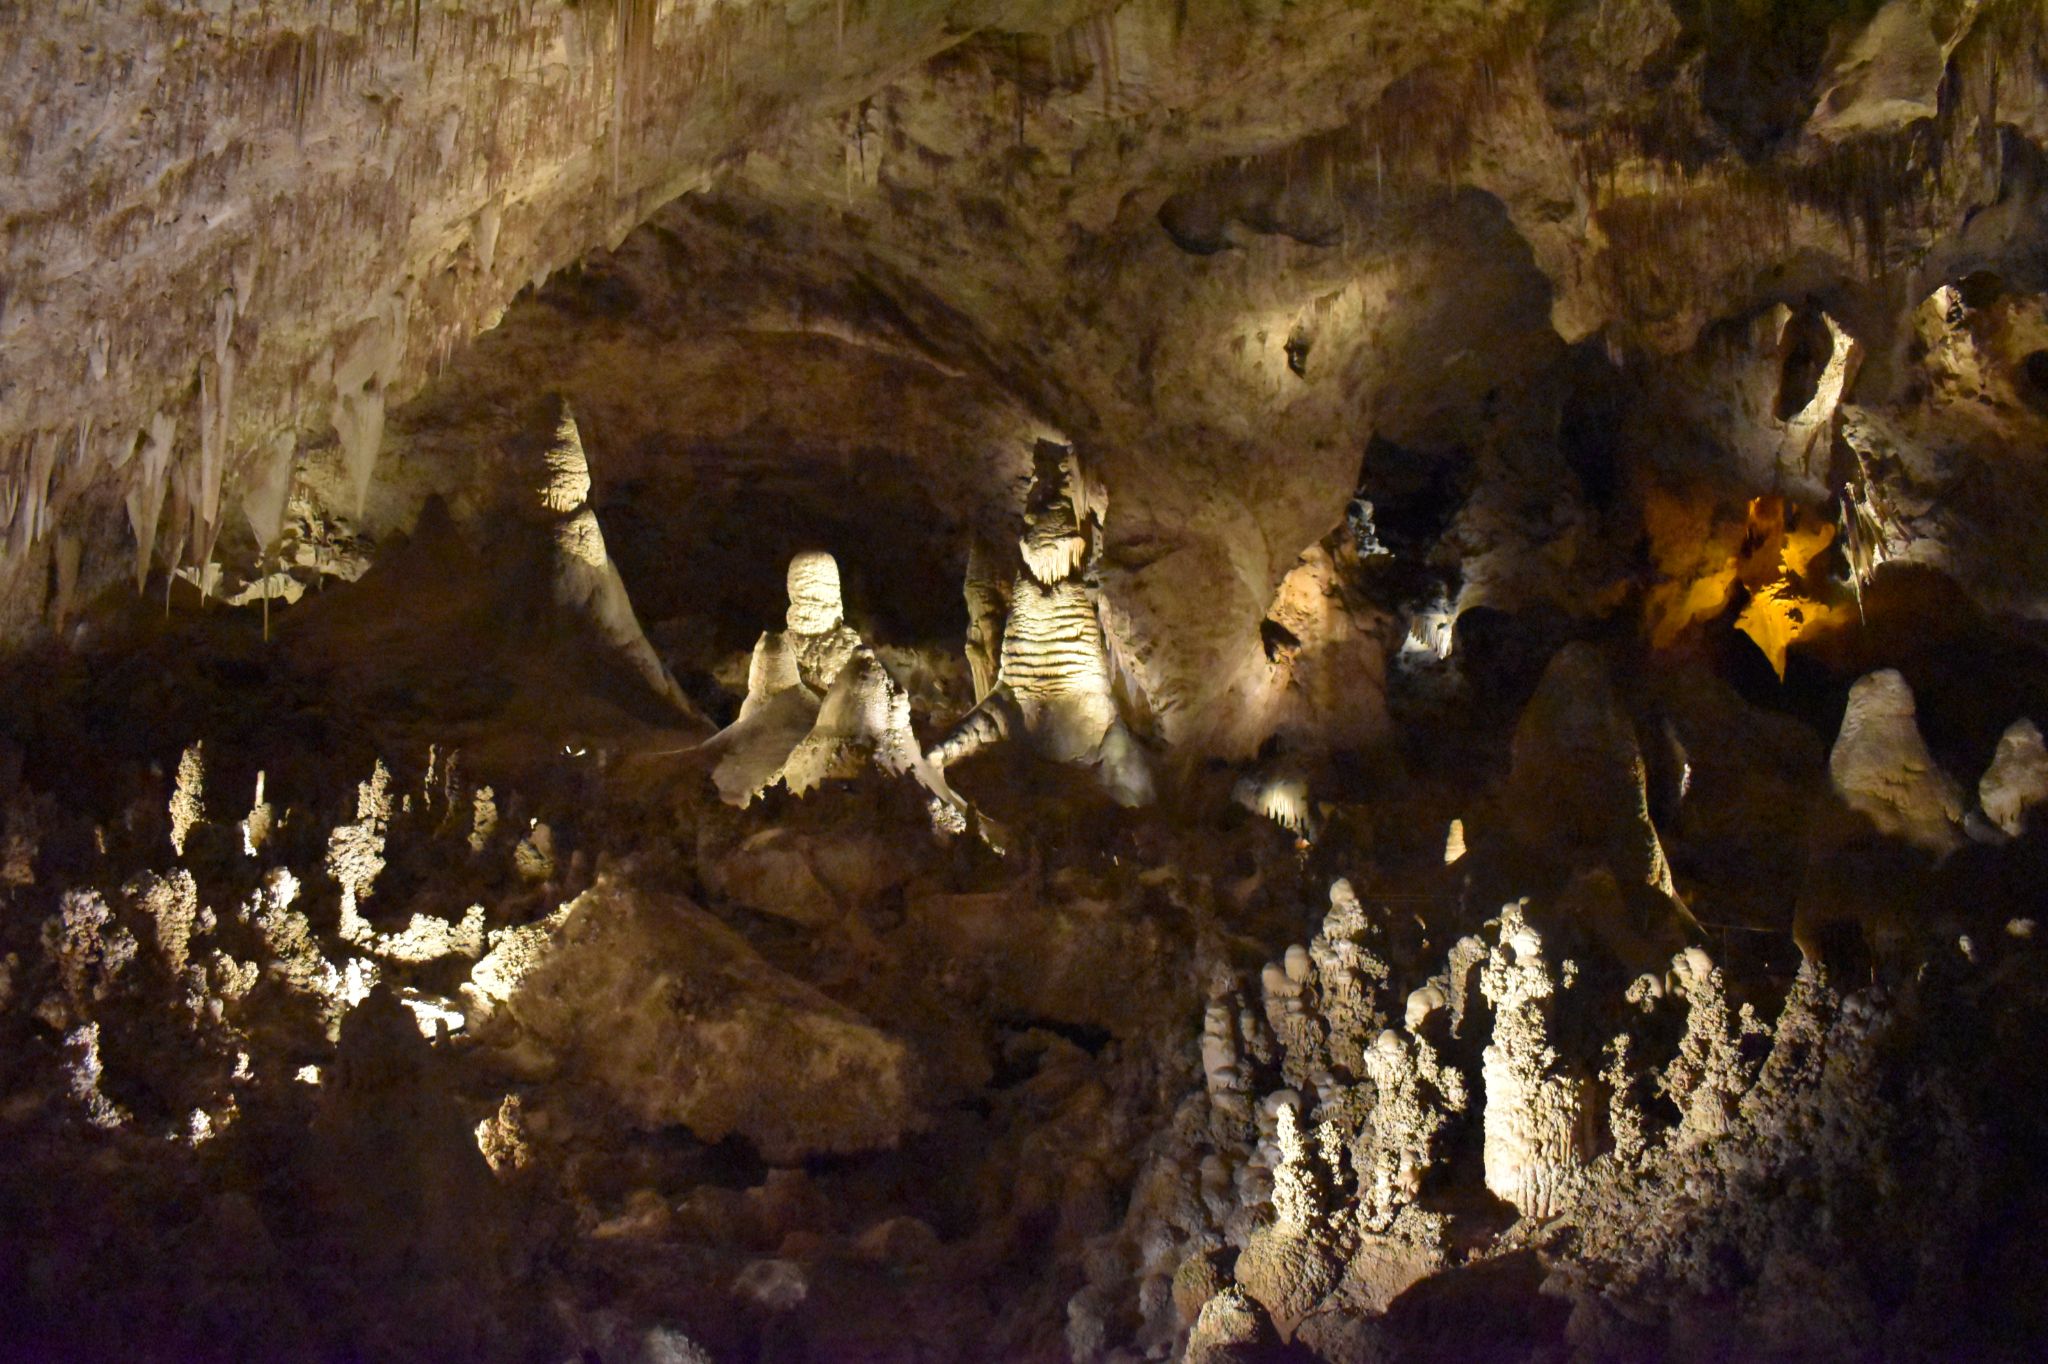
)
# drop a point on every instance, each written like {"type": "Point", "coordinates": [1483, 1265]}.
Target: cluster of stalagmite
{"type": "Point", "coordinates": [1052, 685]}
{"type": "Point", "coordinates": [1307, 1186]}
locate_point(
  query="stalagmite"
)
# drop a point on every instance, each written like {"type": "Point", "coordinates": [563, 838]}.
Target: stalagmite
{"type": "Point", "coordinates": [355, 852]}
{"type": "Point", "coordinates": [2017, 779]}
{"type": "Point", "coordinates": [864, 718]}
{"type": "Point", "coordinates": [1880, 768]}
{"type": "Point", "coordinates": [1415, 1098]}
{"type": "Point", "coordinates": [1412, 341]}
{"type": "Point", "coordinates": [1533, 1149]}
{"type": "Point", "coordinates": [819, 706]}
{"type": "Point", "coordinates": [188, 797]}
{"type": "Point", "coordinates": [1053, 674]}
{"type": "Point", "coordinates": [817, 632]}
{"type": "Point", "coordinates": [586, 581]}
{"type": "Point", "coordinates": [257, 828]}
{"type": "Point", "coordinates": [1578, 792]}
{"type": "Point", "coordinates": [986, 589]}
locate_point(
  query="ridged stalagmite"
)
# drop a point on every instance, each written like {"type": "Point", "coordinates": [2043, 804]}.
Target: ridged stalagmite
{"type": "Point", "coordinates": [1052, 684]}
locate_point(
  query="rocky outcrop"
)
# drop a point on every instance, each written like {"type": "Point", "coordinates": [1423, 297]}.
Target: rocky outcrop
{"type": "Point", "coordinates": [673, 1018]}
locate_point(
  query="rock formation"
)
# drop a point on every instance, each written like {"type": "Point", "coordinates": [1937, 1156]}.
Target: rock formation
{"type": "Point", "coordinates": [1881, 770]}
{"type": "Point", "coordinates": [1577, 789]}
{"type": "Point", "coordinates": [2017, 779]}
{"type": "Point", "coordinates": [1534, 1142]}
{"type": "Point", "coordinates": [1052, 684]}
{"type": "Point", "coordinates": [586, 582]}
{"type": "Point", "coordinates": [819, 705]}
{"type": "Point", "coordinates": [1542, 440]}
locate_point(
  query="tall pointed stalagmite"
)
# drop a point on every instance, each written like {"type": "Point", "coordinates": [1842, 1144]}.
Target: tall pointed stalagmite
{"type": "Point", "coordinates": [585, 579]}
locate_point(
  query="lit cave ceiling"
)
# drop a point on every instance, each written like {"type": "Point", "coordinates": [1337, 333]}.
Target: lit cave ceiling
{"type": "Point", "coordinates": [751, 680]}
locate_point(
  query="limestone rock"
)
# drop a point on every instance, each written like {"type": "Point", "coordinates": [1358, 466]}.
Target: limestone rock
{"type": "Point", "coordinates": [2017, 779]}
{"type": "Point", "coordinates": [1881, 769]}
{"type": "Point", "coordinates": [1577, 789]}
{"type": "Point", "coordinates": [675, 1019]}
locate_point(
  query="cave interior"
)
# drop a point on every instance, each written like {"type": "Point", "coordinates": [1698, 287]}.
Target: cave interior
{"type": "Point", "coordinates": [759, 682]}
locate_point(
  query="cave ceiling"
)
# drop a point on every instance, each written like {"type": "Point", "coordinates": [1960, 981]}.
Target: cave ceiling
{"type": "Point", "coordinates": [1218, 246]}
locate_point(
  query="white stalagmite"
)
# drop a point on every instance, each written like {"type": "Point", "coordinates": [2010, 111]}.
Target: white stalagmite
{"type": "Point", "coordinates": [820, 706]}
{"type": "Point", "coordinates": [1415, 1099]}
{"type": "Point", "coordinates": [816, 619]}
{"type": "Point", "coordinates": [355, 852]}
{"type": "Point", "coordinates": [188, 797]}
{"type": "Point", "coordinates": [1350, 978]}
{"type": "Point", "coordinates": [1532, 1149]}
{"type": "Point", "coordinates": [586, 581]}
{"type": "Point", "coordinates": [256, 829]}
{"type": "Point", "coordinates": [771, 671]}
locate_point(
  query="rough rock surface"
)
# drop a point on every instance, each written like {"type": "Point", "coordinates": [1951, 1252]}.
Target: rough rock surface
{"type": "Point", "coordinates": [2017, 779]}
{"type": "Point", "coordinates": [697, 1029]}
{"type": "Point", "coordinates": [1881, 769]}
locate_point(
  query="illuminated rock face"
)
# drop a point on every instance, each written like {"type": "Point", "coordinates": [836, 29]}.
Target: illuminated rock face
{"type": "Point", "coordinates": [1881, 769]}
